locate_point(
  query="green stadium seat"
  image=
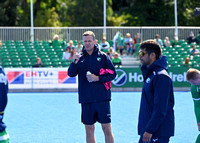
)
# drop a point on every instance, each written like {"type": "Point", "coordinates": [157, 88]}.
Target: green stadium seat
{"type": "Point", "coordinates": [4, 53]}
{"type": "Point", "coordinates": [177, 46]}
{"type": "Point", "coordinates": [177, 65]}
{"type": "Point", "coordinates": [26, 43]}
{"type": "Point", "coordinates": [40, 50]}
{"type": "Point", "coordinates": [21, 54]}
{"type": "Point", "coordinates": [57, 64]}
{"type": "Point", "coordinates": [25, 60]}
{"type": "Point", "coordinates": [42, 53]}
{"type": "Point", "coordinates": [36, 42]}
{"type": "Point", "coordinates": [181, 41]}
{"type": "Point", "coordinates": [14, 56]}
{"type": "Point", "coordinates": [180, 50]}
{"type": "Point", "coordinates": [3, 41]}
{"type": "Point", "coordinates": [184, 53]}
{"type": "Point", "coordinates": [7, 64]}
{"type": "Point", "coordinates": [170, 59]}
{"type": "Point", "coordinates": [33, 61]}
{"type": "Point", "coordinates": [33, 57]}
{"type": "Point", "coordinates": [187, 47]}
{"type": "Point", "coordinates": [55, 60]}
{"type": "Point", "coordinates": [26, 64]}
{"type": "Point", "coordinates": [52, 53]}
{"type": "Point", "coordinates": [65, 63]}
{"type": "Point", "coordinates": [180, 59]}
{"type": "Point", "coordinates": [16, 60]}
{"type": "Point", "coordinates": [19, 42]}
{"type": "Point", "coordinates": [29, 47]}
{"type": "Point", "coordinates": [60, 54]}
{"type": "Point", "coordinates": [196, 66]}
{"type": "Point", "coordinates": [10, 41]}
{"type": "Point", "coordinates": [30, 52]}
{"type": "Point", "coordinates": [48, 47]}
{"type": "Point", "coordinates": [166, 52]}
{"type": "Point", "coordinates": [6, 60]}
{"type": "Point", "coordinates": [53, 56]}
{"type": "Point", "coordinates": [46, 60]}
{"type": "Point", "coordinates": [59, 50]}
{"type": "Point", "coordinates": [38, 47]}
{"type": "Point", "coordinates": [43, 56]}
{"type": "Point", "coordinates": [5, 57]}
{"type": "Point", "coordinates": [46, 43]}
{"type": "Point", "coordinates": [169, 56]}
{"type": "Point", "coordinates": [3, 48]}
{"type": "Point", "coordinates": [50, 50]}
{"type": "Point", "coordinates": [57, 47]}
{"type": "Point", "coordinates": [20, 47]}
{"type": "Point", "coordinates": [13, 53]}
{"type": "Point", "coordinates": [194, 62]}
{"type": "Point", "coordinates": [11, 48]}
{"type": "Point", "coordinates": [174, 53]}
{"type": "Point", "coordinates": [10, 44]}
{"type": "Point", "coordinates": [173, 62]}
{"type": "Point", "coordinates": [47, 64]}
{"type": "Point", "coordinates": [16, 64]}
{"type": "Point", "coordinates": [196, 57]}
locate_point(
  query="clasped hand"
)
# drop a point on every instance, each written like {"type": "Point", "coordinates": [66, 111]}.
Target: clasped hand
{"type": "Point", "coordinates": [92, 78]}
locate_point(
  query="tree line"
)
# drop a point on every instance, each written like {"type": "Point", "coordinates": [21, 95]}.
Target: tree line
{"type": "Point", "coordinates": [64, 13]}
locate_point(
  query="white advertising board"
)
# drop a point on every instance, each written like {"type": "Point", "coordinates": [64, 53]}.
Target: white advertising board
{"type": "Point", "coordinates": [40, 78]}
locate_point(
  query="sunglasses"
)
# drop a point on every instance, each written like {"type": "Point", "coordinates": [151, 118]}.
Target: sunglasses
{"type": "Point", "coordinates": [141, 53]}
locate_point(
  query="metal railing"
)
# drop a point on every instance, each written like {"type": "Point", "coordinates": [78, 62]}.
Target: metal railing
{"type": "Point", "coordinates": [75, 33]}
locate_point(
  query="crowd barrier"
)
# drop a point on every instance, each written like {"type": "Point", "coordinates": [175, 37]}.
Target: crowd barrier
{"type": "Point", "coordinates": [55, 79]}
{"type": "Point", "coordinates": [75, 33]}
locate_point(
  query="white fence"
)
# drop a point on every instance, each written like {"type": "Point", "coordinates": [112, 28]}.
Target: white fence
{"type": "Point", "coordinates": [75, 33]}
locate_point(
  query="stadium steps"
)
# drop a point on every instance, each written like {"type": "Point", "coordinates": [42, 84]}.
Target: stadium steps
{"type": "Point", "coordinates": [130, 61]}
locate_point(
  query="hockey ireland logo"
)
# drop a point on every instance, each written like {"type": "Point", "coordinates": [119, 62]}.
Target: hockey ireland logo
{"type": "Point", "coordinates": [121, 78]}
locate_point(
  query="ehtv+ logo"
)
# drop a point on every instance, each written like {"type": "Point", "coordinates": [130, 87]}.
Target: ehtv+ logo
{"type": "Point", "coordinates": [39, 73]}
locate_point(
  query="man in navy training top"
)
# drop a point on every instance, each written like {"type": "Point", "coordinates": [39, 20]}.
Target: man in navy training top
{"type": "Point", "coordinates": [4, 137]}
{"type": "Point", "coordinates": [93, 95]}
{"type": "Point", "coordinates": [156, 115]}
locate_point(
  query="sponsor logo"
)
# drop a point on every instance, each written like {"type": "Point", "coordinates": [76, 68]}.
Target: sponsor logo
{"type": "Point", "coordinates": [178, 77]}
{"type": "Point", "coordinates": [154, 140]}
{"type": "Point", "coordinates": [148, 80]}
{"type": "Point", "coordinates": [99, 59]}
{"type": "Point", "coordinates": [82, 60]}
{"type": "Point", "coordinates": [15, 77]}
{"type": "Point", "coordinates": [63, 78]}
{"type": "Point", "coordinates": [121, 78]}
{"type": "Point", "coordinates": [39, 74]}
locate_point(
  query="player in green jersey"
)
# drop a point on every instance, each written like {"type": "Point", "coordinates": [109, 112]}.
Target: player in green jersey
{"type": "Point", "coordinates": [193, 76]}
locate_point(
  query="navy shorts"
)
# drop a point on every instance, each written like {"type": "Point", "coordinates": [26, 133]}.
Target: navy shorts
{"type": "Point", "coordinates": [157, 140]}
{"type": "Point", "coordinates": [98, 111]}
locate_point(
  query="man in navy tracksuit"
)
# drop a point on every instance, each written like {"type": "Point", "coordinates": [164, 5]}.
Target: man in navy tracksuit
{"type": "Point", "coordinates": [4, 137]}
{"type": "Point", "coordinates": [93, 95]}
{"type": "Point", "coordinates": [156, 115]}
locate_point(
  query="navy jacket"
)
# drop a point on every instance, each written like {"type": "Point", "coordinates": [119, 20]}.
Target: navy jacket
{"type": "Point", "coordinates": [92, 91]}
{"type": "Point", "coordinates": [3, 90]}
{"type": "Point", "coordinates": [3, 97]}
{"type": "Point", "coordinates": [156, 115]}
